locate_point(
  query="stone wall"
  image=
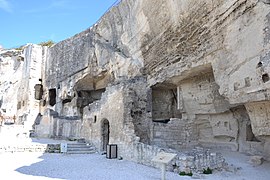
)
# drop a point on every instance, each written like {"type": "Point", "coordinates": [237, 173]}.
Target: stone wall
{"type": "Point", "coordinates": [194, 160]}
{"type": "Point", "coordinates": [175, 134]}
{"type": "Point", "coordinates": [121, 111]}
{"type": "Point", "coordinates": [51, 125]}
{"type": "Point", "coordinates": [44, 148]}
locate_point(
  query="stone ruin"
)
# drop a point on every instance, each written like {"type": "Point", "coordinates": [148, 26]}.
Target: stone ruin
{"type": "Point", "coordinates": [151, 76]}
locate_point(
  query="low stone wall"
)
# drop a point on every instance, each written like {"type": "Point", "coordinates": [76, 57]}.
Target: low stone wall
{"type": "Point", "coordinates": [194, 160]}
{"type": "Point", "coordinates": [45, 148]}
{"type": "Point", "coordinates": [197, 160]}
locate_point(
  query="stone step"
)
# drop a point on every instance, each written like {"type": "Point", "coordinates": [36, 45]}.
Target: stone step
{"type": "Point", "coordinates": [81, 152]}
{"type": "Point", "coordinates": [75, 144]}
{"type": "Point", "coordinates": [75, 147]}
{"type": "Point", "coordinates": [80, 148]}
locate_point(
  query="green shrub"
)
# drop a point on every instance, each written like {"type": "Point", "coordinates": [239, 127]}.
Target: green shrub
{"type": "Point", "coordinates": [183, 173]}
{"type": "Point", "coordinates": [20, 48]}
{"type": "Point", "coordinates": [207, 171]}
{"type": "Point", "coordinates": [47, 43]}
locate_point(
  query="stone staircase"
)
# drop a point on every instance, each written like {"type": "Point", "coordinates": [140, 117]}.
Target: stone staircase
{"type": "Point", "coordinates": [80, 148]}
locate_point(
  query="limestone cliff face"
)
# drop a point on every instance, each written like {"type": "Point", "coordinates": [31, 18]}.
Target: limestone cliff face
{"type": "Point", "coordinates": [172, 41]}
{"type": "Point", "coordinates": [205, 63]}
{"type": "Point", "coordinates": [11, 70]}
{"type": "Point", "coordinates": [169, 73]}
{"type": "Point", "coordinates": [20, 72]}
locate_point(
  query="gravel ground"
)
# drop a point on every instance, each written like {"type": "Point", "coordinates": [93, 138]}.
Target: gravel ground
{"type": "Point", "coordinates": [96, 167]}
{"type": "Point", "coordinates": [30, 166]}
{"type": "Point", "coordinates": [91, 167]}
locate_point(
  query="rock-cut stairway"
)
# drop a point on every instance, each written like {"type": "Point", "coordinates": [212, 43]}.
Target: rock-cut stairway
{"type": "Point", "coordinates": [80, 148]}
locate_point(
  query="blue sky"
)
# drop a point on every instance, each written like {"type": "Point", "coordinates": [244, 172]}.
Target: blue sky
{"type": "Point", "coordinates": [34, 21]}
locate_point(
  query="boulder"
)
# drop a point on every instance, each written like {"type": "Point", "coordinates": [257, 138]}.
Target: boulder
{"type": "Point", "coordinates": [256, 160]}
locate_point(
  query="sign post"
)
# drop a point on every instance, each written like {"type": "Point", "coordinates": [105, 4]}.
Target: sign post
{"type": "Point", "coordinates": [63, 148]}
{"type": "Point", "coordinates": [163, 159]}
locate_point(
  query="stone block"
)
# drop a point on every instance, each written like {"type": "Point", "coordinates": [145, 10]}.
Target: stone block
{"type": "Point", "coordinates": [256, 160]}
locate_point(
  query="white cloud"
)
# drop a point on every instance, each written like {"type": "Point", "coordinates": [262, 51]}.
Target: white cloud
{"type": "Point", "coordinates": [5, 5]}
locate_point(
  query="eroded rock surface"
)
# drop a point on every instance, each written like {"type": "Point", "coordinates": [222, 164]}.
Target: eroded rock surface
{"type": "Point", "coordinates": [172, 74]}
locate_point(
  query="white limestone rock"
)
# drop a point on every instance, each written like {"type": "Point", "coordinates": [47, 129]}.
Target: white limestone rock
{"type": "Point", "coordinates": [256, 160]}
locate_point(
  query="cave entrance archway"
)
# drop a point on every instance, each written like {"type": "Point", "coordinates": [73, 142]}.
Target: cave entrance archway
{"type": "Point", "coordinates": [105, 133]}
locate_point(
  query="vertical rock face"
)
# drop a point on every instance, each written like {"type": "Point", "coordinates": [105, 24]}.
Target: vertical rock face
{"type": "Point", "coordinates": [31, 76]}
{"type": "Point", "coordinates": [21, 71]}
{"type": "Point", "coordinates": [11, 70]}
{"type": "Point", "coordinates": [258, 113]}
{"type": "Point", "coordinates": [175, 74]}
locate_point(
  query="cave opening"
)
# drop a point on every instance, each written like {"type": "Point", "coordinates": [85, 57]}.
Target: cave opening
{"type": "Point", "coordinates": [86, 97]}
{"type": "Point", "coordinates": [249, 134]}
{"type": "Point", "coordinates": [89, 89]}
{"type": "Point", "coordinates": [52, 96]}
{"type": "Point", "coordinates": [164, 103]}
{"type": "Point", "coordinates": [265, 77]}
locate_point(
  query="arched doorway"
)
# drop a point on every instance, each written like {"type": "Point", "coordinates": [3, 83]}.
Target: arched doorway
{"type": "Point", "coordinates": [105, 133]}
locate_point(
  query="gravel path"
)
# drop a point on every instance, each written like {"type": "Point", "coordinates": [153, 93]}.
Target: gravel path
{"type": "Point", "coordinates": [89, 167]}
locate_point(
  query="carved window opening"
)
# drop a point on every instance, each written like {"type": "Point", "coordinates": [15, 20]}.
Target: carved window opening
{"type": "Point", "coordinates": [265, 77]}
{"type": "Point", "coordinates": [249, 134]}
{"type": "Point", "coordinates": [52, 96]}
{"type": "Point", "coordinates": [95, 119]}
{"type": "Point", "coordinates": [44, 103]}
{"type": "Point", "coordinates": [259, 65]}
{"type": "Point", "coordinates": [19, 105]}
{"type": "Point", "coordinates": [38, 91]}
{"type": "Point", "coordinates": [247, 82]}
{"type": "Point", "coordinates": [236, 86]}
{"type": "Point", "coordinates": [164, 103]}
